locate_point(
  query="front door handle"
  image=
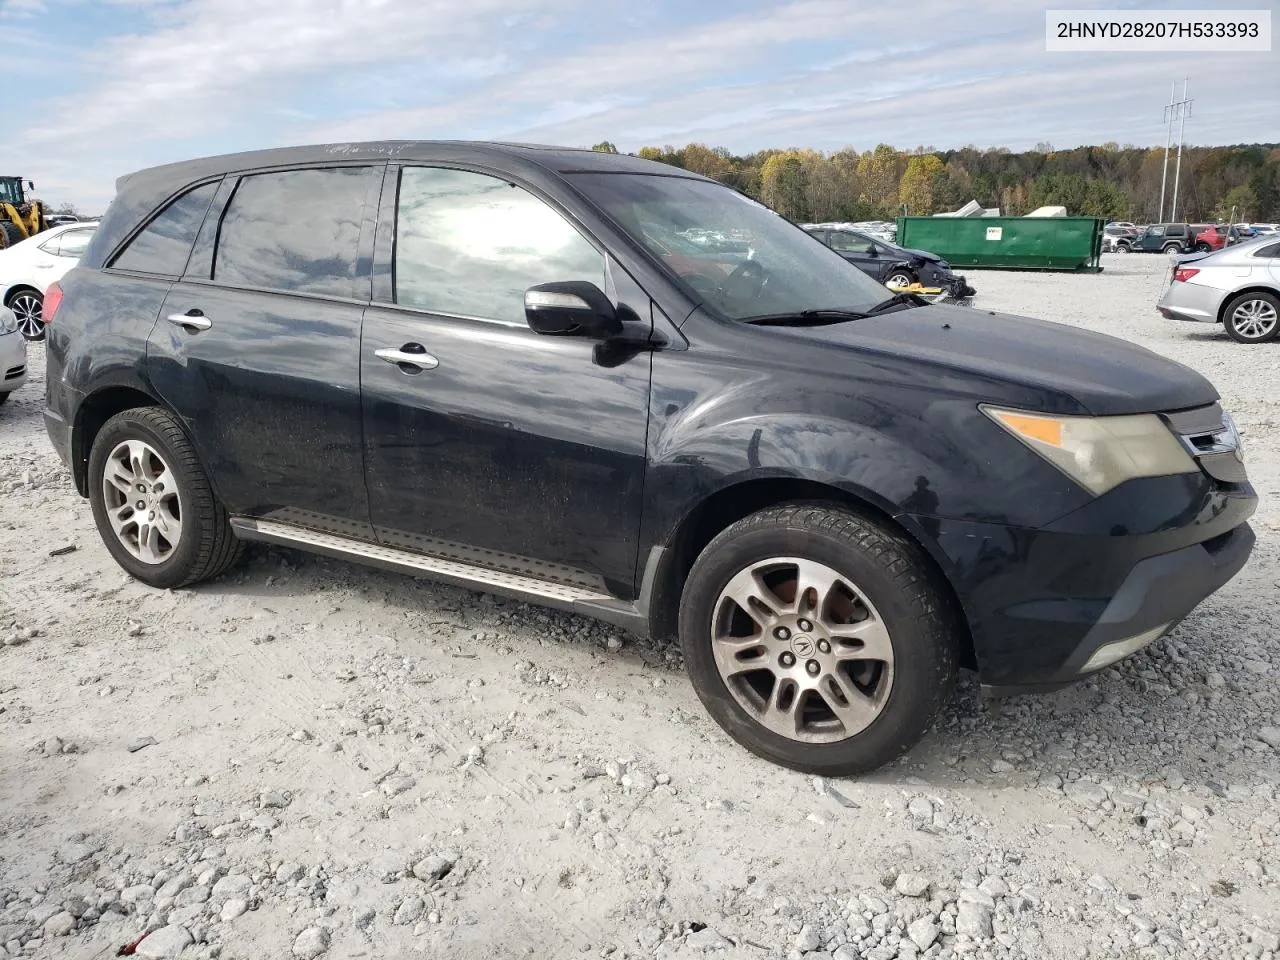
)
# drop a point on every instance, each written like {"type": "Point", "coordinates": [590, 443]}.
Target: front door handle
{"type": "Point", "coordinates": [410, 358]}
{"type": "Point", "coordinates": [193, 321]}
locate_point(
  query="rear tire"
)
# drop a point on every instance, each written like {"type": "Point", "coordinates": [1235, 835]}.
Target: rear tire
{"type": "Point", "coordinates": [27, 305]}
{"type": "Point", "coordinates": [1203, 248]}
{"type": "Point", "coordinates": [1172, 248]}
{"type": "Point", "coordinates": [879, 644]}
{"type": "Point", "coordinates": [153, 503]}
{"type": "Point", "coordinates": [1253, 317]}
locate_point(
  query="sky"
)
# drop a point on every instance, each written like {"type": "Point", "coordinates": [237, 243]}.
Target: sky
{"type": "Point", "coordinates": [106, 87]}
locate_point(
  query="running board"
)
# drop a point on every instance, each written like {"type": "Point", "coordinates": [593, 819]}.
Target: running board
{"type": "Point", "coordinates": [543, 592]}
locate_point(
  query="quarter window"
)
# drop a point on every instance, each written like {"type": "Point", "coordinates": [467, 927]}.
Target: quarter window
{"type": "Point", "coordinates": [165, 244]}
{"type": "Point", "coordinates": [298, 230]}
{"type": "Point", "coordinates": [73, 243]}
{"type": "Point", "coordinates": [1271, 250]}
{"type": "Point", "coordinates": [469, 245]}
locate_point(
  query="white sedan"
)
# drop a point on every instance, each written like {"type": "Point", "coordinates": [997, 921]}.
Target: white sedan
{"type": "Point", "coordinates": [29, 267]}
{"type": "Point", "coordinates": [13, 355]}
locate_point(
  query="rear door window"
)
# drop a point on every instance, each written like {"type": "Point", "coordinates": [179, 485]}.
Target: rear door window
{"type": "Point", "coordinates": [469, 245]}
{"type": "Point", "coordinates": [165, 243]}
{"type": "Point", "coordinates": [297, 231]}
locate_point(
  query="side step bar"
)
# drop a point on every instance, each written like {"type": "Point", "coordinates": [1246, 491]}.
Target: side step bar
{"type": "Point", "coordinates": [543, 592]}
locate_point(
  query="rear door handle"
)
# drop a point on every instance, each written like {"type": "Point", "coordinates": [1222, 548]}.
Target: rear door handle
{"type": "Point", "coordinates": [193, 321]}
{"type": "Point", "coordinates": [410, 358]}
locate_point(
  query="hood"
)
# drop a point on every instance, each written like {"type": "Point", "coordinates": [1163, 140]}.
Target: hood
{"type": "Point", "coordinates": [1104, 375]}
{"type": "Point", "coordinates": [921, 254]}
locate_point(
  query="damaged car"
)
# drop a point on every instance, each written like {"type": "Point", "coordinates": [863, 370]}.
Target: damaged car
{"type": "Point", "coordinates": [894, 266]}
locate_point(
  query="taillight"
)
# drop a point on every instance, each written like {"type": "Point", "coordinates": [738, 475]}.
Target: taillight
{"type": "Point", "coordinates": [1181, 275]}
{"type": "Point", "coordinates": [52, 300]}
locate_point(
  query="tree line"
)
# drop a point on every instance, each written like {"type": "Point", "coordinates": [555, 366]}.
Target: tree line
{"type": "Point", "coordinates": [1111, 181]}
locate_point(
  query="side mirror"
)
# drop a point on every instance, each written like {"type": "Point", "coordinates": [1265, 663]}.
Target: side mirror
{"type": "Point", "coordinates": [571, 307]}
{"type": "Point", "coordinates": [31, 185]}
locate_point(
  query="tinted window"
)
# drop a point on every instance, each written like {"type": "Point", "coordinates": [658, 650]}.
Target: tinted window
{"type": "Point", "coordinates": [470, 245]}
{"type": "Point", "coordinates": [298, 230]}
{"type": "Point", "coordinates": [164, 246]}
{"type": "Point", "coordinates": [1270, 250]}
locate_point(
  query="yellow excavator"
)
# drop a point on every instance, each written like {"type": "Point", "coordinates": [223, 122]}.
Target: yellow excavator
{"type": "Point", "coordinates": [21, 215]}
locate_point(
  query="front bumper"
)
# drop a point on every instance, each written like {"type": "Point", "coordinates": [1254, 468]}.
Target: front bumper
{"type": "Point", "coordinates": [1191, 301]}
{"type": "Point", "coordinates": [13, 362]}
{"type": "Point", "coordinates": [1042, 603]}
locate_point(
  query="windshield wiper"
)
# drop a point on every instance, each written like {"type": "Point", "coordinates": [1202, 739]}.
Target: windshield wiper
{"type": "Point", "coordinates": [805, 318]}
{"type": "Point", "coordinates": [898, 300]}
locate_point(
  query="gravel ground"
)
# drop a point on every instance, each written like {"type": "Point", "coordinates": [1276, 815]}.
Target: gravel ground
{"type": "Point", "coordinates": [312, 758]}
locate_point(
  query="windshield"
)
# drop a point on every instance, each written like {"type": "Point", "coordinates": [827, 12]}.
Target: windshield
{"type": "Point", "coordinates": [736, 256]}
{"type": "Point", "coordinates": [10, 191]}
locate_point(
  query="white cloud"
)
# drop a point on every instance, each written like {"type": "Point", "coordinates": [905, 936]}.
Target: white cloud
{"type": "Point", "coordinates": [203, 76]}
{"type": "Point", "coordinates": [212, 60]}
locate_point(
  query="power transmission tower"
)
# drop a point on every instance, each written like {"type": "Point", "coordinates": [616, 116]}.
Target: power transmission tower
{"type": "Point", "coordinates": [1164, 172]}
{"type": "Point", "coordinates": [1183, 110]}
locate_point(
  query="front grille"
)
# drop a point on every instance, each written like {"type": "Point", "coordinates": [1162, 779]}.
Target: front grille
{"type": "Point", "coordinates": [14, 372]}
{"type": "Point", "coordinates": [1210, 437]}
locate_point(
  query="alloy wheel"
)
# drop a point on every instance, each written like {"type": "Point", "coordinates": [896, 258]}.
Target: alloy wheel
{"type": "Point", "coordinates": [142, 501]}
{"type": "Point", "coordinates": [802, 650]}
{"type": "Point", "coordinates": [26, 306]}
{"type": "Point", "coordinates": [1254, 319]}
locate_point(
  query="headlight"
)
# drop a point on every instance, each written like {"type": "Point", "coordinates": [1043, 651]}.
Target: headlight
{"type": "Point", "coordinates": [1100, 453]}
{"type": "Point", "coordinates": [8, 322]}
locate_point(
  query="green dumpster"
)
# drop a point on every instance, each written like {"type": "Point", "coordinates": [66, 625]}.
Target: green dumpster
{"type": "Point", "coordinates": [1009, 243]}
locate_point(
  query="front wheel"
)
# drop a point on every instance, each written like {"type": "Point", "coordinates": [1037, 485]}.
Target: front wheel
{"type": "Point", "coordinates": [1253, 317]}
{"type": "Point", "coordinates": [1203, 248]}
{"type": "Point", "coordinates": [153, 504]}
{"type": "Point", "coordinates": [899, 280]}
{"type": "Point", "coordinates": [818, 639]}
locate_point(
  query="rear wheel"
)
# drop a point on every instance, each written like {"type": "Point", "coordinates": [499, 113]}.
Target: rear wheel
{"type": "Point", "coordinates": [1172, 248]}
{"type": "Point", "coordinates": [26, 306]}
{"type": "Point", "coordinates": [1122, 248]}
{"type": "Point", "coordinates": [1253, 317]}
{"type": "Point", "coordinates": [1204, 248]}
{"type": "Point", "coordinates": [818, 639]}
{"type": "Point", "coordinates": [153, 504]}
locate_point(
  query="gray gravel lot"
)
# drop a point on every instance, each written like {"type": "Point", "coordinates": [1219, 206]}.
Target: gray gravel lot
{"type": "Point", "coordinates": [310, 758]}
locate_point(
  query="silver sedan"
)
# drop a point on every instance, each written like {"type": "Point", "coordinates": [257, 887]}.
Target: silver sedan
{"type": "Point", "coordinates": [1238, 287]}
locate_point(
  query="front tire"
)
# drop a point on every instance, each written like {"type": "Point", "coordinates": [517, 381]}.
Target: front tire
{"type": "Point", "coordinates": [818, 639]}
{"type": "Point", "coordinates": [899, 279]}
{"type": "Point", "coordinates": [153, 503]}
{"type": "Point", "coordinates": [1253, 317]}
{"type": "Point", "coordinates": [1203, 248]}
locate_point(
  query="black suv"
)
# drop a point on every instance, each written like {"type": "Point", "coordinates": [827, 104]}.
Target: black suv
{"type": "Point", "coordinates": [475, 362]}
{"type": "Point", "coordinates": [1165, 238]}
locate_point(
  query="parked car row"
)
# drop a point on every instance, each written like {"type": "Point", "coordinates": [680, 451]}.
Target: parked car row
{"type": "Point", "coordinates": [1125, 237]}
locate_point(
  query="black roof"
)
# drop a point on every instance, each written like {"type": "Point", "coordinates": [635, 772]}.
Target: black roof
{"type": "Point", "coordinates": [552, 158]}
